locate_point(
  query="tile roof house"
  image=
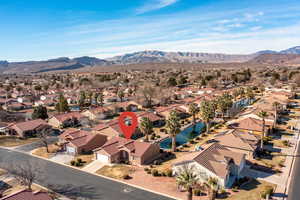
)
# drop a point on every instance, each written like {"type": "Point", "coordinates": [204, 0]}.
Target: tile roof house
{"type": "Point", "coordinates": [28, 128]}
{"type": "Point", "coordinates": [78, 141]}
{"type": "Point", "coordinates": [215, 161]}
{"type": "Point", "coordinates": [119, 149]}
{"type": "Point", "coordinates": [251, 124]}
{"type": "Point", "coordinates": [238, 141]}
{"type": "Point", "coordinates": [98, 113]}
{"type": "Point", "coordinates": [66, 120]}
{"type": "Point", "coordinates": [156, 119]}
{"type": "Point", "coordinates": [28, 195]}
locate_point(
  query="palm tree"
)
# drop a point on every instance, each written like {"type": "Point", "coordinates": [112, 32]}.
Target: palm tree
{"type": "Point", "coordinates": [173, 126]}
{"type": "Point", "coordinates": [146, 127]}
{"type": "Point", "coordinates": [193, 110]}
{"type": "Point", "coordinates": [213, 186]}
{"type": "Point", "coordinates": [206, 113]}
{"type": "Point", "coordinates": [187, 179]}
{"type": "Point", "coordinates": [276, 106]}
{"type": "Point", "coordinates": [262, 114]}
{"type": "Point", "coordinates": [100, 98]}
{"type": "Point", "coordinates": [121, 94]}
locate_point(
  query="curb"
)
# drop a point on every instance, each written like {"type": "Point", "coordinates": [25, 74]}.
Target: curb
{"type": "Point", "coordinates": [105, 177]}
{"type": "Point", "coordinates": [291, 169]}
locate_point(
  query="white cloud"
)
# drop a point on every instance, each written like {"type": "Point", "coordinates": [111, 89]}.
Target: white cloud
{"type": "Point", "coordinates": [155, 5]}
{"type": "Point", "coordinates": [255, 28]}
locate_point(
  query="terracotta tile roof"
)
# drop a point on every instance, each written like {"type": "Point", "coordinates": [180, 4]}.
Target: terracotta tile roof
{"type": "Point", "coordinates": [153, 117]}
{"type": "Point", "coordinates": [66, 116]}
{"type": "Point", "coordinates": [29, 125]}
{"type": "Point", "coordinates": [27, 195]}
{"type": "Point", "coordinates": [238, 140]}
{"type": "Point", "coordinates": [251, 124]}
{"type": "Point", "coordinates": [114, 145]}
{"type": "Point", "coordinates": [216, 158]}
{"type": "Point", "coordinates": [72, 133]}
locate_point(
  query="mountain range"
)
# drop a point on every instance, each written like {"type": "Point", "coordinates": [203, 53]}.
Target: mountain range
{"type": "Point", "coordinates": [288, 56]}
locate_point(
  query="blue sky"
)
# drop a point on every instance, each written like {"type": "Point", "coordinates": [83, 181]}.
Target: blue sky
{"type": "Point", "coordinates": [44, 29]}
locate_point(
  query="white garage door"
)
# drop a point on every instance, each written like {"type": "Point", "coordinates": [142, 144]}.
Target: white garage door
{"type": "Point", "coordinates": [102, 158]}
{"type": "Point", "coordinates": [71, 150]}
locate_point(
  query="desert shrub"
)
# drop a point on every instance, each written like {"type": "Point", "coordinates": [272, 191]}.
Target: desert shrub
{"type": "Point", "coordinates": [73, 162]}
{"type": "Point", "coordinates": [154, 172]}
{"type": "Point", "coordinates": [268, 190]}
{"type": "Point", "coordinates": [79, 160]}
{"type": "Point", "coordinates": [197, 192]}
{"type": "Point", "coordinates": [78, 164]}
{"type": "Point", "coordinates": [169, 172]}
{"type": "Point", "coordinates": [146, 169]}
{"type": "Point", "coordinates": [126, 177]}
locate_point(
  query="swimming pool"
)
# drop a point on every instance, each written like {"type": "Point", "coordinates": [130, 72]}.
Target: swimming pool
{"type": "Point", "coordinates": [184, 136]}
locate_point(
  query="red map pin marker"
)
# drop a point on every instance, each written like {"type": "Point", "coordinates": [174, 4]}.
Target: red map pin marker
{"type": "Point", "coordinates": [128, 129]}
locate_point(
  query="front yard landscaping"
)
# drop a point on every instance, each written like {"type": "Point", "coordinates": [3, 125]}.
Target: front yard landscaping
{"type": "Point", "coordinates": [82, 160]}
{"type": "Point", "coordinates": [42, 152]}
{"type": "Point", "coordinates": [251, 191]}
{"type": "Point", "coordinates": [116, 171]}
{"type": "Point", "coordinates": [11, 141]}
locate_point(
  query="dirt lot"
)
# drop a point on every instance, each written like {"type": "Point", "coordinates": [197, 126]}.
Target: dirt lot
{"type": "Point", "coordinates": [11, 141]}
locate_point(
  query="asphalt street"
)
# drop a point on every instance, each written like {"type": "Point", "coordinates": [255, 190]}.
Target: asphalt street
{"type": "Point", "coordinates": [77, 184]}
{"type": "Point", "coordinates": [294, 187]}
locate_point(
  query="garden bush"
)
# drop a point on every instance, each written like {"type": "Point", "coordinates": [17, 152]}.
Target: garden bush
{"type": "Point", "coordinates": [73, 162]}
{"type": "Point", "coordinates": [197, 192]}
{"type": "Point", "coordinates": [154, 172]}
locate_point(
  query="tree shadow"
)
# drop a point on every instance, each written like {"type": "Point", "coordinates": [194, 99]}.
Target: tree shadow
{"type": "Point", "coordinates": [75, 192]}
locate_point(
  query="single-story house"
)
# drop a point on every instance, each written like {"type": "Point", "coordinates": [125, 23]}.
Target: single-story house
{"type": "Point", "coordinates": [28, 195]}
{"type": "Point", "coordinates": [156, 119]}
{"type": "Point", "coordinates": [28, 128]}
{"type": "Point", "coordinates": [252, 124]}
{"type": "Point", "coordinates": [119, 149]}
{"type": "Point", "coordinates": [98, 113]}
{"type": "Point", "coordinates": [70, 119]}
{"type": "Point", "coordinates": [238, 141]}
{"type": "Point", "coordinates": [76, 141]}
{"type": "Point", "coordinates": [214, 161]}
{"type": "Point", "coordinates": [3, 128]}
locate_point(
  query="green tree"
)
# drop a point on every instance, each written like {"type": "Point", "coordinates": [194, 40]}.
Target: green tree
{"type": "Point", "coordinates": [100, 99]}
{"type": "Point", "coordinates": [276, 107]}
{"type": "Point", "coordinates": [187, 179]}
{"type": "Point", "coordinates": [172, 81]}
{"type": "Point", "coordinates": [62, 105]}
{"type": "Point", "coordinates": [262, 114]}
{"type": "Point", "coordinates": [40, 112]}
{"type": "Point", "coordinates": [207, 113]}
{"type": "Point", "coordinates": [173, 127]}
{"type": "Point", "coordinates": [146, 127]}
{"type": "Point", "coordinates": [82, 98]}
{"type": "Point", "coordinates": [121, 94]}
{"type": "Point", "coordinates": [193, 110]}
{"type": "Point", "coordinates": [213, 186]}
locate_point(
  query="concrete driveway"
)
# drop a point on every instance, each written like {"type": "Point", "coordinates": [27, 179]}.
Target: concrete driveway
{"type": "Point", "coordinates": [62, 158]}
{"type": "Point", "coordinates": [94, 166]}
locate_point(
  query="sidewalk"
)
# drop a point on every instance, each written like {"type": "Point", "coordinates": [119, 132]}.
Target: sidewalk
{"type": "Point", "coordinates": [281, 189]}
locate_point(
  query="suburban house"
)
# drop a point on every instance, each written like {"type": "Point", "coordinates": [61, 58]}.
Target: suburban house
{"type": "Point", "coordinates": [70, 119]}
{"type": "Point", "coordinates": [28, 128]}
{"type": "Point", "coordinates": [98, 113]}
{"type": "Point", "coordinates": [28, 195]}
{"type": "Point", "coordinates": [3, 128]}
{"type": "Point", "coordinates": [238, 141]}
{"type": "Point", "coordinates": [156, 119]}
{"type": "Point", "coordinates": [119, 149]}
{"type": "Point", "coordinates": [76, 141]}
{"type": "Point", "coordinates": [125, 106]}
{"type": "Point", "coordinates": [252, 125]}
{"type": "Point", "coordinates": [214, 161]}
